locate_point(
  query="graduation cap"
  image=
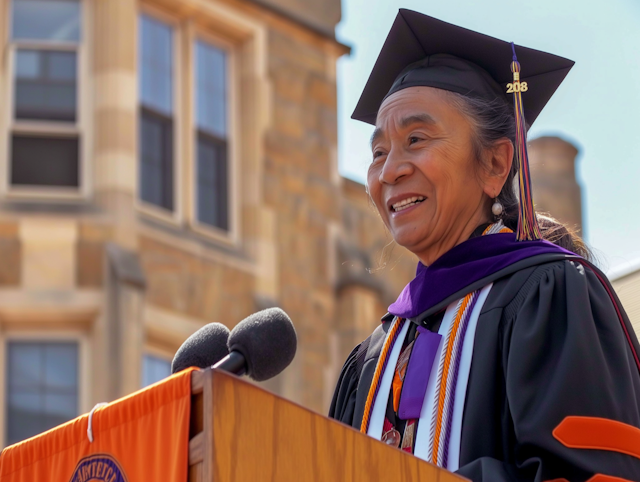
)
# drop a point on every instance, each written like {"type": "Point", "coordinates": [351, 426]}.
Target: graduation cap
{"type": "Point", "coordinates": [424, 51]}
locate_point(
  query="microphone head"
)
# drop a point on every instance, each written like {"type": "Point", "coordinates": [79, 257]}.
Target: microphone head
{"type": "Point", "coordinates": [204, 348]}
{"type": "Point", "coordinates": [268, 342]}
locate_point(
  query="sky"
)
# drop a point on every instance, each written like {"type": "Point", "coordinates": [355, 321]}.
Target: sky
{"type": "Point", "coordinates": [597, 107]}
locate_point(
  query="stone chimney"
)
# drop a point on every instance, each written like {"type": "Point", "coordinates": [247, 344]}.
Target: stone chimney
{"type": "Point", "coordinates": [555, 188]}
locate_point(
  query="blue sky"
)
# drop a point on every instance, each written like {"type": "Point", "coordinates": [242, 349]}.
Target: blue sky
{"type": "Point", "coordinates": [597, 107]}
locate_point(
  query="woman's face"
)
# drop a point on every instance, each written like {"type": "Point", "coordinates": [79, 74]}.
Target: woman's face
{"type": "Point", "coordinates": [424, 177]}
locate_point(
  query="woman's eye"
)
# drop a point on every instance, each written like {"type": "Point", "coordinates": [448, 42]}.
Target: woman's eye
{"type": "Point", "coordinates": [414, 139]}
{"type": "Point", "coordinates": [377, 154]}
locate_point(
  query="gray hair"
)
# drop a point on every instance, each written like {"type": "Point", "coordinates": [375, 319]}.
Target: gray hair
{"type": "Point", "coordinates": [493, 120]}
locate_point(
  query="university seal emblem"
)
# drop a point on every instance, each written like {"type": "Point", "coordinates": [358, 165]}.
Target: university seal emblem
{"type": "Point", "coordinates": [98, 468]}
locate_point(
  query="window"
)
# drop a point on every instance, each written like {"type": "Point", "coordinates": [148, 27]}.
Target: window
{"type": "Point", "coordinates": [154, 369]}
{"type": "Point", "coordinates": [42, 387]}
{"type": "Point", "coordinates": [45, 41]}
{"type": "Point", "coordinates": [212, 179]}
{"type": "Point", "coordinates": [28, 168]}
{"type": "Point", "coordinates": [156, 113]}
{"type": "Point", "coordinates": [45, 86]}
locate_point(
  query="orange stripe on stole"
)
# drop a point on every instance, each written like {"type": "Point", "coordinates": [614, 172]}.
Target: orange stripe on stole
{"type": "Point", "coordinates": [445, 374]}
{"type": "Point", "coordinates": [368, 407]}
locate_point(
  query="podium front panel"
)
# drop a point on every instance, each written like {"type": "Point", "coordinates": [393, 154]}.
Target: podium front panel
{"type": "Point", "coordinates": [243, 433]}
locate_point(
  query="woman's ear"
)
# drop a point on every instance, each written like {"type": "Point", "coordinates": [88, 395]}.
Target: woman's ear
{"type": "Point", "coordinates": [497, 167]}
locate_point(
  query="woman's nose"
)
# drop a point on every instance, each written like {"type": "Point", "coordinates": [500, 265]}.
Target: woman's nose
{"type": "Point", "coordinates": [395, 167]}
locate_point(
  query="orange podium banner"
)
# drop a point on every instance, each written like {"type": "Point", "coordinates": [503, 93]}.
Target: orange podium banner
{"type": "Point", "coordinates": [141, 437]}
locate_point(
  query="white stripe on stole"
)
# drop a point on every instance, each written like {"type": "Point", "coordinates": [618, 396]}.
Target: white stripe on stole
{"type": "Point", "coordinates": [376, 422]}
{"type": "Point", "coordinates": [453, 462]}
{"type": "Point", "coordinates": [424, 437]}
{"type": "Point", "coordinates": [423, 444]}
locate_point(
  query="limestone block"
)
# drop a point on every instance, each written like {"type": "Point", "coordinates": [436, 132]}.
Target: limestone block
{"type": "Point", "coordinates": [289, 118]}
{"type": "Point", "coordinates": [10, 267]}
{"type": "Point", "coordinates": [10, 254]}
{"type": "Point", "coordinates": [194, 286]}
{"type": "Point", "coordinates": [284, 49]}
{"type": "Point", "coordinates": [94, 232]}
{"type": "Point", "coordinates": [323, 92]}
{"type": "Point", "coordinates": [90, 264]}
{"type": "Point", "coordinates": [290, 83]}
{"type": "Point", "coordinates": [267, 280]}
{"type": "Point", "coordinates": [48, 253]}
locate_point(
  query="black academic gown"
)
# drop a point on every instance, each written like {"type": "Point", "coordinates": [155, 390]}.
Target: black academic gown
{"type": "Point", "coordinates": [548, 345]}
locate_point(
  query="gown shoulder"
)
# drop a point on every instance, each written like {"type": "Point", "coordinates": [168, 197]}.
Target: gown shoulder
{"type": "Point", "coordinates": [565, 357]}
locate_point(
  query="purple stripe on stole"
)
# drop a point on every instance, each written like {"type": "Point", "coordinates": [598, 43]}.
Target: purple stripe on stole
{"type": "Point", "coordinates": [463, 265]}
{"type": "Point", "coordinates": [456, 370]}
{"type": "Point", "coordinates": [416, 378]}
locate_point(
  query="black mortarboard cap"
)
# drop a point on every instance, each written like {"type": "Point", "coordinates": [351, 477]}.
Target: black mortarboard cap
{"type": "Point", "coordinates": [430, 52]}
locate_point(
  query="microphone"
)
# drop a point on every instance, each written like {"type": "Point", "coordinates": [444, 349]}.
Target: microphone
{"type": "Point", "coordinates": [261, 345]}
{"type": "Point", "coordinates": [204, 348]}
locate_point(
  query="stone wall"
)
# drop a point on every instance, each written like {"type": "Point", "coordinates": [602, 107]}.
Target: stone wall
{"type": "Point", "coordinates": [301, 187]}
{"type": "Point", "coordinates": [194, 286]}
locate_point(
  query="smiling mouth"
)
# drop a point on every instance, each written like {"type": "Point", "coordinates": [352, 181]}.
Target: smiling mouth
{"type": "Point", "coordinates": [407, 203]}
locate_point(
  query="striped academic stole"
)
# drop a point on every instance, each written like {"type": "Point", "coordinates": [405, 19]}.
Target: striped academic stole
{"type": "Point", "coordinates": [440, 423]}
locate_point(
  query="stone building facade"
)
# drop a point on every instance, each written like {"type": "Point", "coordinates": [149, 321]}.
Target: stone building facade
{"type": "Point", "coordinates": [165, 164]}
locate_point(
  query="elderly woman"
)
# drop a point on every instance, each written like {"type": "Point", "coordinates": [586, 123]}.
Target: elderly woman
{"type": "Point", "coordinates": [508, 357]}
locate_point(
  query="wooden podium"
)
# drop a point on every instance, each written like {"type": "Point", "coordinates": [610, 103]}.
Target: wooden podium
{"type": "Point", "coordinates": [242, 433]}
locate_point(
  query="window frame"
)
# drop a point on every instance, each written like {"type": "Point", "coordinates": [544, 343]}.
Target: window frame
{"type": "Point", "coordinates": [229, 236]}
{"type": "Point", "coordinates": [250, 109]}
{"type": "Point", "coordinates": [152, 350]}
{"type": "Point", "coordinates": [84, 366]}
{"type": "Point", "coordinates": [174, 217]}
{"type": "Point", "coordinates": [80, 129]}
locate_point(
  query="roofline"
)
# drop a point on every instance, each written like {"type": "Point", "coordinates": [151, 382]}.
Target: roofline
{"type": "Point", "coordinates": [326, 34]}
{"type": "Point", "coordinates": [624, 269]}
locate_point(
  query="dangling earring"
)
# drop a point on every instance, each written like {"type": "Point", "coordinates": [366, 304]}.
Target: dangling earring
{"type": "Point", "coordinates": [497, 208]}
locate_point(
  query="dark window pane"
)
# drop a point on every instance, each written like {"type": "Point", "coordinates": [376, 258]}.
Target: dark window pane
{"type": "Point", "coordinates": [45, 85]}
{"type": "Point", "coordinates": [60, 407]}
{"type": "Point", "coordinates": [156, 65]}
{"type": "Point", "coordinates": [60, 367]}
{"type": "Point", "coordinates": [49, 395]}
{"type": "Point", "coordinates": [211, 89]}
{"type": "Point", "coordinates": [154, 369]}
{"type": "Point", "coordinates": [24, 416]}
{"type": "Point", "coordinates": [28, 64]}
{"type": "Point", "coordinates": [26, 363]}
{"type": "Point", "coordinates": [44, 161]}
{"type": "Point", "coordinates": [57, 20]}
{"type": "Point", "coordinates": [156, 159]}
{"type": "Point", "coordinates": [29, 401]}
{"type": "Point", "coordinates": [212, 198]}
{"type": "Point", "coordinates": [62, 65]}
